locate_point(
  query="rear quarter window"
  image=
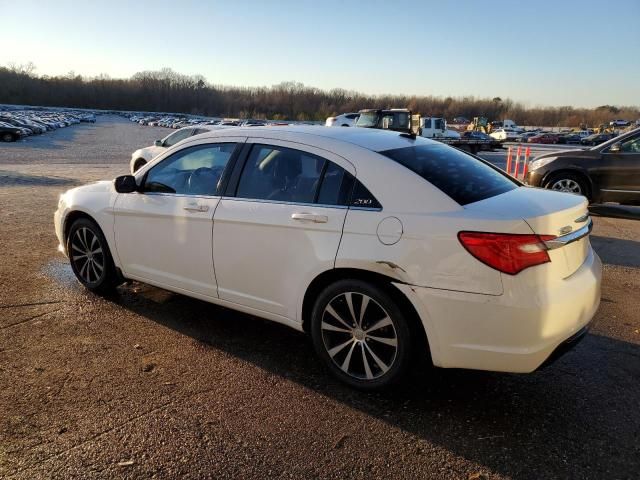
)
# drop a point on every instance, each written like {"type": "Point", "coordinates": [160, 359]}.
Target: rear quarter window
{"type": "Point", "coordinates": [460, 176]}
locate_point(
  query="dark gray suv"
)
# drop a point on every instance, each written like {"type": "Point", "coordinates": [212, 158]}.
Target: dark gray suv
{"type": "Point", "coordinates": [609, 172]}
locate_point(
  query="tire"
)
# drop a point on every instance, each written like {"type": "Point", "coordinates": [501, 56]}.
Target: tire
{"type": "Point", "coordinates": [8, 137]}
{"type": "Point", "coordinates": [138, 164]}
{"type": "Point", "coordinates": [90, 257]}
{"type": "Point", "coordinates": [349, 352]}
{"type": "Point", "coordinates": [344, 125]}
{"type": "Point", "coordinates": [568, 182]}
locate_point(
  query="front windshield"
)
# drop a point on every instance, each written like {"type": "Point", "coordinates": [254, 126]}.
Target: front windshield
{"type": "Point", "coordinates": [368, 120]}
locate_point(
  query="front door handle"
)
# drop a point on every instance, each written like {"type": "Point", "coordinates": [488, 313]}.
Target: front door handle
{"type": "Point", "coordinates": [194, 207]}
{"type": "Point", "coordinates": [310, 217]}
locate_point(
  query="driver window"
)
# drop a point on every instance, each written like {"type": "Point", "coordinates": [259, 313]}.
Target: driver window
{"type": "Point", "coordinates": [631, 146]}
{"type": "Point", "coordinates": [191, 171]}
{"type": "Point", "coordinates": [177, 137]}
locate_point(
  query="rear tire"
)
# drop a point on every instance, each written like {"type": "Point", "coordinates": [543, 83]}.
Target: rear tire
{"type": "Point", "coordinates": [90, 257]}
{"type": "Point", "coordinates": [361, 335]}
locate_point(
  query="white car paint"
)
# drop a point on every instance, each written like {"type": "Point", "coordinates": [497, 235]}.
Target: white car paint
{"type": "Point", "coordinates": [432, 127]}
{"type": "Point", "coordinates": [344, 120]}
{"type": "Point", "coordinates": [505, 135]}
{"type": "Point", "coordinates": [253, 256]}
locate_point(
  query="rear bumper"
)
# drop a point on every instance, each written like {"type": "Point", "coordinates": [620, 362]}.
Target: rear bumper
{"type": "Point", "coordinates": [514, 332]}
{"type": "Point", "coordinates": [566, 346]}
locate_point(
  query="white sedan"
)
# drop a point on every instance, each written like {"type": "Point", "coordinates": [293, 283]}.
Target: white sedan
{"type": "Point", "coordinates": [505, 135]}
{"type": "Point", "coordinates": [344, 120]}
{"type": "Point", "coordinates": [378, 245]}
{"type": "Point", "coordinates": [144, 155]}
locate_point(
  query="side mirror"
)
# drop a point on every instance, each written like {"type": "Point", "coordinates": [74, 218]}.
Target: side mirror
{"type": "Point", "coordinates": [615, 148]}
{"type": "Point", "coordinates": [158, 143]}
{"type": "Point", "coordinates": [125, 184]}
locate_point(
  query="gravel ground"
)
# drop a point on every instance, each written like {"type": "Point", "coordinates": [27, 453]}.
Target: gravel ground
{"type": "Point", "coordinates": [150, 384]}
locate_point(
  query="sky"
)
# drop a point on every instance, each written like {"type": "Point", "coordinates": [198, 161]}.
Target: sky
{"type": "Point", "coordinates": [540, 52]}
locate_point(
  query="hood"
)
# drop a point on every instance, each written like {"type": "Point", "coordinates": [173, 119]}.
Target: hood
{"type": "Point", "coordinates": [573, 153]}
{"type": "Point", "coordinates": [101, 186]}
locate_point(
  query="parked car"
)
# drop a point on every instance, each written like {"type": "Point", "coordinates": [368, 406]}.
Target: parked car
{"type": "Point", "coordinates": [569, 138]}
{"type": "Point", "coordinates": [543, 138]}
{"type": "Point", "coordinates": [525, 136]}
{"type": "Point", "coordinates": [473, 135]}
{"type": "Point", "coordinates": [143, 156]}
{"type": "Point", "coordinates": [253, 123]}
{"type": "Point", "coordinates": [609, 172]}
{"type": "Point", "coordinates": [307, 227]}
{"type": "Point", "coordinates": [505, 135]}
{"type": "Point", "coordinates": [344, 120]}
{"type": "Point", "coordinates": [23, 129]}
{"type": "Point", "coordinates": [9, 133]}
{"type": "Point", "coordinates": [619, 123]}
{"type": "Point", "coordinates": [461, 121]}
{"type": "Point", "coordinates": [596, 139]}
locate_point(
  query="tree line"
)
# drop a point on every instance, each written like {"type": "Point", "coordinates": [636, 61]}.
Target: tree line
{"type": "Point", "coordinates": [168, 91]}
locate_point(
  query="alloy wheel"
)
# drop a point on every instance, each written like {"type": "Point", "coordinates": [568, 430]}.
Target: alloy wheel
{"type": "Point", "coordinates": [359, 336]}
{"type": "Point", "coordinates": [87, 255]}
{"type": "Point", "coordinates": [567, 185]}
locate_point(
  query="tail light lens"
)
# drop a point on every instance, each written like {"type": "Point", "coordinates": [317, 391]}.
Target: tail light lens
{"type": "Point", "coordinates": [507, 253]}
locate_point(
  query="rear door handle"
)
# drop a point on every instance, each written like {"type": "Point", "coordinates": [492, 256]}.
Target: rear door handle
{"type": "Point", "coordinates": [310, 217]}
{"type": "Point", "coordinates": [193, 207]}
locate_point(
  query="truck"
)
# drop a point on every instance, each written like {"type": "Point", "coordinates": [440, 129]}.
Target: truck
{"type": "Point", "coordinates": [405, 121]}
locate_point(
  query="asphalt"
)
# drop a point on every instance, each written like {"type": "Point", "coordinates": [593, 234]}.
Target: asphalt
{"type": "Point", "coordinates": [151, 384]}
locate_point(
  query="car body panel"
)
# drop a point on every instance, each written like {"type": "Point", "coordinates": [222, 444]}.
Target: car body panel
{"type": "Point", "coordinates": [287, 254]}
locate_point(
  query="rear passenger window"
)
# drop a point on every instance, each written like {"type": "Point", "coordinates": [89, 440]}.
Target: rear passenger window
{"type": "Point", "coordinates": [280, 174]}
{"type": "Point", "coordinates": [336, 186]}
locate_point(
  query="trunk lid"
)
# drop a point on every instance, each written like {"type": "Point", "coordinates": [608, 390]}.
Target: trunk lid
{"type": "Point", "coordinates": [547, 212]}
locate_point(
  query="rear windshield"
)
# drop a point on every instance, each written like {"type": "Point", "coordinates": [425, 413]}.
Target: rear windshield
{"type": "Point", "coordinates": [462, 177]}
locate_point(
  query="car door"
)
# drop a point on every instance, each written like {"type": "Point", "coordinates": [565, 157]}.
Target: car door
{"type": "Point", "coordinates": [620, 171]}
{"type": "Point", "coordinates": [279, 225]}
{"type": "Point", "coordinates": [163, 233]}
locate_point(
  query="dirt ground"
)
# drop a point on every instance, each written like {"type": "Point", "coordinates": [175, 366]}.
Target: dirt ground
{"type": "Point", "coordinates": [150, 384]}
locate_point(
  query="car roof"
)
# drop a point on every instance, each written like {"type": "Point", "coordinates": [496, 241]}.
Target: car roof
{"type": "Point", "coordinates": [368, 138]}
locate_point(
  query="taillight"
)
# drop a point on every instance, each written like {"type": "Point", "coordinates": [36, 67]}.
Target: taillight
{"type": "Point", "coordinates": [507, 253]}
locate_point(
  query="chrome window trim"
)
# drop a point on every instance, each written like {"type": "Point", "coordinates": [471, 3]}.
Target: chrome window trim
{"type": "Point", "coordinates": [185, 195]}
{"type": "Point", "coordinates": [619, 191]}
{"type": "Point", "coordinates": [283, 202]}
{"type": "Point", "coordinates": [302, 204]}
{"type": "Point", "coordinates": [559, 242]}
{"type": "Point", "coordinates": [366, 209]}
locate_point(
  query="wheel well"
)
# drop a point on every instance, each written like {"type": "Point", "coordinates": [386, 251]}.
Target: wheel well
{"type": "Point", "coordinates": [139, 163]}
{"type": "Point", "coordinates": [72, 217]}
{"type": "Point", "coordinates": [326, 278]}
{"type": "Point", "coordinates": [571, 171]}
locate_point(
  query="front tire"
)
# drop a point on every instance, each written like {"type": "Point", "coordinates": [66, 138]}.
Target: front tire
{"type": "Point", "coordinates": [90, 257]}
{"type": "Point", "coordinates": [569, 183]}
{"type": "Point", "coordinates": [8, 137]}
{"type": "Point", "coordinates": [361, 334]}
